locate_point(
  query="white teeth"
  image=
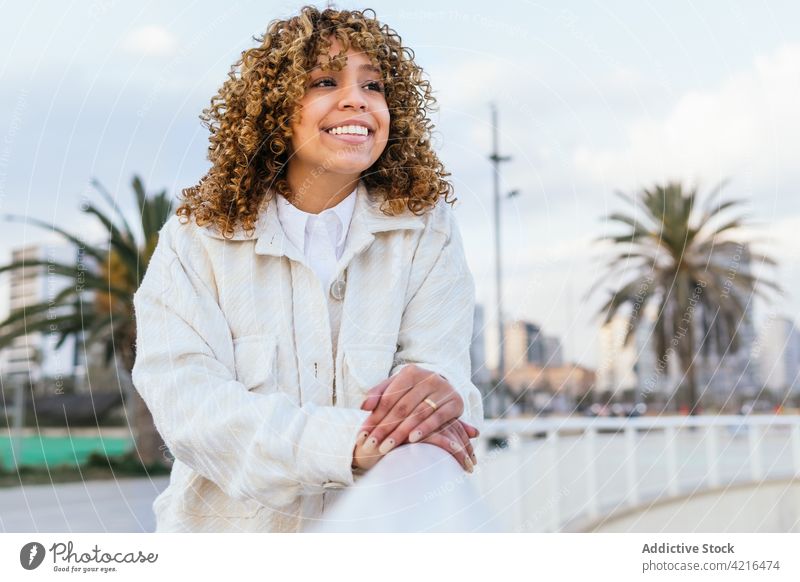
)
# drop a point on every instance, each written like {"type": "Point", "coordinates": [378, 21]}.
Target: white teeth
{"type": "Point", "coordinates": [349, 129]}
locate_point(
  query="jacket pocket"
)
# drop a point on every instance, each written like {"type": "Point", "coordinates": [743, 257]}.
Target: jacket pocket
{"type": "Point", "coordinates": [365, 366]}
{"type": "Point", "coordinates": [255, 358]}
{"type": "Point", "coordinates": [203, 498]}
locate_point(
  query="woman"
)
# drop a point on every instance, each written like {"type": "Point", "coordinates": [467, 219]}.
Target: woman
{"type": "Point", "coordinates": [309, 307]}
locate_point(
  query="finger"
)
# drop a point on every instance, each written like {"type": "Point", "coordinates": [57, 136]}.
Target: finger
{"type": "Point", "coordinates": [409, 420]}
{"type": "Point", "coordinates": [363, 432]}
{"type": "Point", "coordinates": [462, 433]}
{"type": "Point", "coordinates": [471, 430]}
{"type": "Point", "coordinates": [381, 400]}
{"type": "Point", "coordinates": [445, 440]}
{"type": "Point", "coordinates": [397, 386]}
{"type": "Point", "coordinates": [378, 421]}
{"type": "Point", "coordinates": [420, 385]}
{"type": "Point", "coordinates": [365, 459]}
{"type": "Point", "coordinates": [374, 394]}
{"type": "Point", "coordinates": [405, 408]}
{"type": "Point", "coordinates": [465, 447]}
{"type": "Point", "coordinates": [446, 412]}
{"type": "Point", "coordinates": [359, 441]}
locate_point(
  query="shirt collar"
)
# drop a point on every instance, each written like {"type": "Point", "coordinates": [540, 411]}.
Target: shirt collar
{"type": "Point", "coordinates": [367, 220]}
{"type": "Point", "coordinates": [295, 222]}
{"type": "Point", "coordinates": [344, 211]}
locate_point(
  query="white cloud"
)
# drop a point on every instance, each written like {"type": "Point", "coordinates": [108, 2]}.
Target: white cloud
{"type": "Point", "coordinates": [783, 234]}
{"type": "Point", "coordinates": [150, 41]}
{"type": "Point", "coordinates": [747, 128]}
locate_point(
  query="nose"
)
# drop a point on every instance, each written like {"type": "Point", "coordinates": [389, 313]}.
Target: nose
{"type": "Point", "coordinates": [352, 97]}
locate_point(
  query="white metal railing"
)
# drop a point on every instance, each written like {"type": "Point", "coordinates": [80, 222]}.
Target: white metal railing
{"type": "Point", "coordinates": [558, 471]}
{"type": "Point", "coordinates": [561, 474]}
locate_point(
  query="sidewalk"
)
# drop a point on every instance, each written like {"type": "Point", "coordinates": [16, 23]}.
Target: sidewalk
{"type": "Point", "coordinates": [123, 505]}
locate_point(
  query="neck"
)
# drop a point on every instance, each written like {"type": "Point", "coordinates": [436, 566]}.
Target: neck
{"type": "Point", "coordinates": [314, 194]}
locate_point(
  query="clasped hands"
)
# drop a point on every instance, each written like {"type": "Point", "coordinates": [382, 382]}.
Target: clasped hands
{"type": "Point", "coordinates": [401, 412]}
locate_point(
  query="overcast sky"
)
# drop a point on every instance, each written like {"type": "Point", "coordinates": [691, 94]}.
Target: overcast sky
{"type": "Point", "coordinates": [592, 97]}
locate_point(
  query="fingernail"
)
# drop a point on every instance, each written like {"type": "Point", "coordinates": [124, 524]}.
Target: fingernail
{"type": "Point", "coordinates": [370, 444]}
{"type": "Point", "coordinates": [474, 459]}
{"type": "Point", "coordinates": [415, 436]}
{"type": "Point", "coordinates": [470, 466]}
{"type": "Point", "coordinates": [454, 445]}
{"type": "Point", "coordinates": [362, 435]}
{"type": "Point", "coordinates": [386, 446]}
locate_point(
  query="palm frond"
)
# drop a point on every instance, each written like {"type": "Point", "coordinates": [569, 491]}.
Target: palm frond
{"type": "Point", "coordinates": [86, 280]}
{"type": "Point", "coordinates": [117, 210]}
{"type": "Point", "coordinates": [90, 250]}
{"type": "Point", "coordinates": [124, 247]}
{"type": "Point", "coordinates": [700, 274]}
{"type": "Point", "coordinates": [713, 194]}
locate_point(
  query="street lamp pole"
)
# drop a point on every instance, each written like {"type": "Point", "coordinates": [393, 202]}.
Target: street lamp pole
{"type": "Point", "coordinates": [496, 159]}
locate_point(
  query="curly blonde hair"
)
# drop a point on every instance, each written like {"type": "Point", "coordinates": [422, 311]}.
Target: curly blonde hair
{"type": "Point", "coordinates": [250, 116]}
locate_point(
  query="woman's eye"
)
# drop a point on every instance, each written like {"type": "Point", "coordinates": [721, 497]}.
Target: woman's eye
{"type": "Point", "coordinates": [319, 83]}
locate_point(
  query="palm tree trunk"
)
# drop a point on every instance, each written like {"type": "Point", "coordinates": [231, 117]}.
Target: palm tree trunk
{"type": "Point", "coordinates": [689, 374]}
{"type": "Point", "coordinates": [150, 447]}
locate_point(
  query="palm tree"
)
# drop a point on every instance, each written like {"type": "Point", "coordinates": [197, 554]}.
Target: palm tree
{"type": "Point", "coordinates": [97, 306]}
{"type": "Point", "coordinates": [687, 263]}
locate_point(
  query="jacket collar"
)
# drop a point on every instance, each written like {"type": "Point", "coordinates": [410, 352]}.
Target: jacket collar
{"type": "Point", "coordinates": [367, 220]}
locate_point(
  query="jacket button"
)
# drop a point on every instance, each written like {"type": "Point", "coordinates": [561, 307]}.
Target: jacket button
{"type": "Point", "coordinates": [337, 289]}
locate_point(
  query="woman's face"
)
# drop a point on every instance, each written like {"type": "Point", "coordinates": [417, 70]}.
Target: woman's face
{"type": "Point", "coordinates": [343, 99]}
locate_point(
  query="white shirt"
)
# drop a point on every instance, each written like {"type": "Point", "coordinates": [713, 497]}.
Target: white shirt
{"type": "Point", "coordinates": [321, 236]}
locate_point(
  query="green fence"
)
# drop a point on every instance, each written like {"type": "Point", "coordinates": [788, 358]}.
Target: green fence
{"type": "Point", "coordinates": [50, 451]}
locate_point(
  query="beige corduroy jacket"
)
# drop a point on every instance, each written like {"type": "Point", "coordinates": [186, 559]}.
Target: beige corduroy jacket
{"type": "Point", "coordinates": [235, 362]}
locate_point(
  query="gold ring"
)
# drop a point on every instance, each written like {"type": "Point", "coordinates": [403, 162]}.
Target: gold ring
{"type": "Point", "coordinates": [432, 403]}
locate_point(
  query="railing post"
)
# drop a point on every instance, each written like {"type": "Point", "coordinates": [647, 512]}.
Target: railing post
{"type": "Point", "coordinates": [551, 446]}
{"type": "Point", "coordinates": [754, 434]}
{"type": "Point", "coordinates": [592, 495]}
{"type": "Point", "coordinates": [515, 448]}
{"type": "Point", "coordinates": [796, 447]}
{"type": "Point", "coordinates": [712, 450]}
{"type": "Point", "coordinates": [630, 466]}
{"type": "Point", "coordinates": [670, 438]}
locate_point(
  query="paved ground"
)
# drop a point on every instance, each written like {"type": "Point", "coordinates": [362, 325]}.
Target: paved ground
{"type": "Point", "coordinates": [123, 505]}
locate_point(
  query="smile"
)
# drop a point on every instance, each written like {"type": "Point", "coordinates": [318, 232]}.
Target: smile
{"type": "Point", "coordinates": [351, 138]}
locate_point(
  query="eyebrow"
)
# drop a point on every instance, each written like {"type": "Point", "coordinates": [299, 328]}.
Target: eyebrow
{"type": "Point", "coordinates": [368, 67]}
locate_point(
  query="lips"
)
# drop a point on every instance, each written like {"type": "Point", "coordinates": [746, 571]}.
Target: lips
{"type": "Point", "coordinates": [349, 138]}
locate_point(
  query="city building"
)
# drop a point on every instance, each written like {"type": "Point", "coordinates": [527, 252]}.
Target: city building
{"type": "Point", "coordinates": [34, 357]}
{"type": "Point", "coordinates": [525, 344]}
{"type": "Point", "coordinates": [553, 353]}
{"type": "Point", "coordinates": [778, 353]}
{"type": "Point", "coordinates": [557, 389]}
{"type": "Point", "coordinates": [617, 370]}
